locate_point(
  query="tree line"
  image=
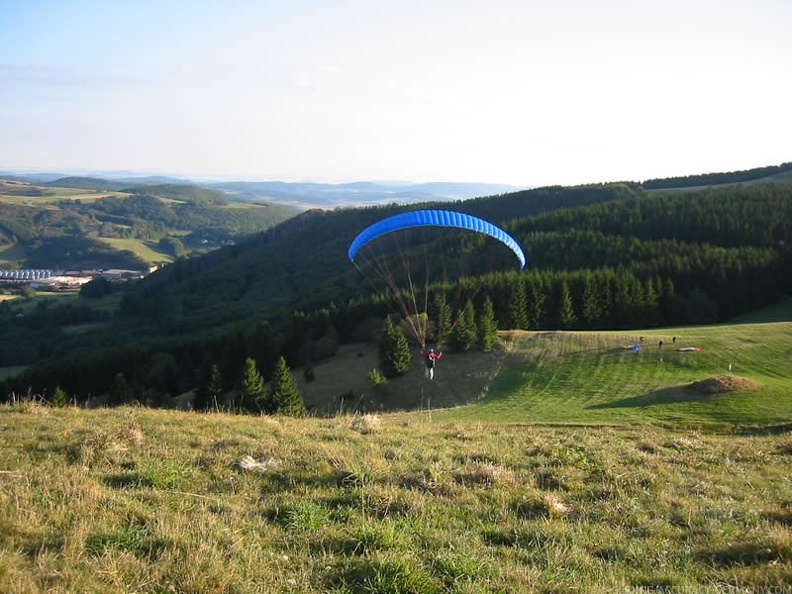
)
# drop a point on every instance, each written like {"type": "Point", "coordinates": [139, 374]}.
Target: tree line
{"type": "Point", "coordinates": [638, 261]}
{"type": "Point", "coordinates": [709, 179]}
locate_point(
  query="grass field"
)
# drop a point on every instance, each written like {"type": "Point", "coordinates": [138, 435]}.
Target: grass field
{"type": "Point", "coordinates": [156, 501]}
{"type": "Point", "coordinates": [12, 254]}
{"type": "Point", "coordinates": [584, 377]}
{"type": "Point", "coordinates": [52, 197]}
{"type": "Point", "coordinates": [591, 377]}
{"type": "Point", "coordinates": [145, 250]}
{"type": "Point", "coordinates": [579, 467]}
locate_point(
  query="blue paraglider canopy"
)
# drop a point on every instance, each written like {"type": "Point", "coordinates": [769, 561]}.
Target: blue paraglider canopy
{"type": "Point", "coordinates": [414, 254]}
{"type": "Point", "coordinates": [435, 218]}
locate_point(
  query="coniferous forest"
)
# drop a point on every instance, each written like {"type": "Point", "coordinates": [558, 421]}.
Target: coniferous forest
{"type": "Point", "coordinates": [606, 256]}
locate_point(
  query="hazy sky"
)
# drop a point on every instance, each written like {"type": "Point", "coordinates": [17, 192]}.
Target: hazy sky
{"type": "Point", "coordinates": [522, 92]}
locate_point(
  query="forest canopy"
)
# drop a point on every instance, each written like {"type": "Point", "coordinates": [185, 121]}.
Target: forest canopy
{"type": "Point", "coordinates": [599, 257]}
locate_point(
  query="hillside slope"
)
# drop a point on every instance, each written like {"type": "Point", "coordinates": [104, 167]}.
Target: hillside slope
{"type": "Point", "coordinates": [576, 377]}
{"type": "Point", "coordinates": [591, 377]}
{"type": "Point", "coordinates": [139, 500]}
{"type": "Point", "coordinates": [605, 256]}
{"type": "Point", "coordinates": [303, 262]}
{"type": "Point", "coordinates": [80, 222]}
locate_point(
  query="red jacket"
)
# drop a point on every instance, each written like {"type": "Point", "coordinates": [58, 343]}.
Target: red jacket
{"type": "Point", "coordinates": [431, 357]}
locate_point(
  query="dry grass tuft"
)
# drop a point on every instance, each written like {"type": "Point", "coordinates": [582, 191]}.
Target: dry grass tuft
{"type": "Point", "coordinates": [365, 423]}
{"type": "Point", "coordinates": [133, 434]}
{"type": "Point", "coordinates": [485, 474]}
{"type": "Point", "coordinates": [35, 405]}
{"type": "Point", "coordinates": [263, 464]}
{"type": "Point", "coordinates": [555, 507]}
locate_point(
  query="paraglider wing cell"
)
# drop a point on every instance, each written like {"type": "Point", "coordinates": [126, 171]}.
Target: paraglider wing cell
{"type": "Point", "coordinates": [435, 218]}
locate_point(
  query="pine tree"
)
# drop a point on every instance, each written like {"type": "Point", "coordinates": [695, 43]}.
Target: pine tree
{"type": "Point", "coordinates": [252, 395]}
{"type": "Point", "coordinates": [394, 351]}
{"type": "Point", "coordinates": [120, 392]}
{"type": "Point", "coordinates": [464, 334]}
{"type": "Point", "coordinates": [650, 307]}
{"type": "Point", "coordinates": [566, 312]}
{"type": "Point", "coordinates": [622, 300]}
{"type": "Point", "coordinates": [284, 395]}
{"type": "Point", "coordinates": [261, 346]}
{"type": "Point", "coordinates": [214, 389]}
{"type": "Point", "coordinates": [591, 304]}
{"type": "Point", "coordinates": [59, 397]}
{"type": "Point", "coordinates": [440, 315]}
{"type": "Point", "coordinates": [670, 304]}
{"type": "Point", "coordinates": [518, 318]}
{"type": "Point", "coordinates": [535, 309]}
{"type": "Point", "coordinates": [487, 327]}
{"type": "Point", "coordinates": [201, 399]}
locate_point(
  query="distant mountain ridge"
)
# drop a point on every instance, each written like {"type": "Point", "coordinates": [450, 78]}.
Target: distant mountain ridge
{"type": "Point", "coordinates": [303, 195]}
{"type": "Point", "coordinates": [319, 195]}
{"type": "Point", "coordinates": [307, 195]}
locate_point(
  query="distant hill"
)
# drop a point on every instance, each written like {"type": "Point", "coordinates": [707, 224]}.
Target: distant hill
{"type": "Point", "coordinates": [302, 262]}
{"type": "Point", "coordinates": [301, 195]}
{"type": "Point", "coordinates": [315, 195]}
{"type": "Point", "coordinates": [31, 177]}
{"type": "Point", "coordinates": [712, 179]}
{"type": "Point", "coordinates": [84, 222]}
{"type": "Point", "coordinates": [155, 179]}
{"type": "Point", "coordinates": [181, 192]}
{"type": "Point", "coordinates": [89, 183]}
{"type": "Point", "coordinates": [600, 257]}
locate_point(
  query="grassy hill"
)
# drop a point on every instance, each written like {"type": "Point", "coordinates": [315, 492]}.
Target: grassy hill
{"type": "Point", "coordinates": [586, 377]}
{"type": "Point", "coordinates": [574, 465]}
{"type": "Point", "coordinates": [156, 501]}
{"type": "Point", "coordinates": [579, 464]}
{"type": "Point", "coordinates": [140, 222]}
{"type": "Point", "coordinates": [600, 256]}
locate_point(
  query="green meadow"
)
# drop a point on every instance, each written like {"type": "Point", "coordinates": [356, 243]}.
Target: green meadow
{"type": "Point", "coordinates": [157, 501]}
{"type": "Point", "coordinates": [582, 467]}
{"type": "Point", "coordinates": [145, 250]}
{"type": "Point", "coordinates": [592, 377]}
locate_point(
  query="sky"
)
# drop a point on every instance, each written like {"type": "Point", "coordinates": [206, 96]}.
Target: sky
{"type": "Point", "coordinates": [521, 92]}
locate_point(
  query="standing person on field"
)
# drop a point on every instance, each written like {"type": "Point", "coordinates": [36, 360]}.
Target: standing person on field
{"type": "Point", "coordinates": [429, 359]}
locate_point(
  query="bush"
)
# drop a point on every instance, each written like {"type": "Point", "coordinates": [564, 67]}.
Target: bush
{"type": "Point", "coordinates": [375, 377]}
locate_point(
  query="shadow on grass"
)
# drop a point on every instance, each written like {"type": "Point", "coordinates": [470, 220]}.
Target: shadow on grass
{"type": "Point", "coordinates": [778, 312]}
{"type": "Point", "coordinates": [747, 554]}
{"type": "Point", "coordinates": [674, 395]}
{"type": "Point", "coordinates": [123, 480]}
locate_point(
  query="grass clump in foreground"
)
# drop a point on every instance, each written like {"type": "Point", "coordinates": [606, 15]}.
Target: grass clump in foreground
{"type": "Point", "coordinates": [137, 500]}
